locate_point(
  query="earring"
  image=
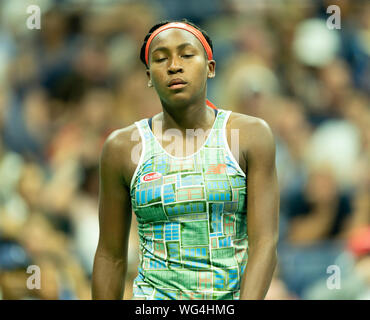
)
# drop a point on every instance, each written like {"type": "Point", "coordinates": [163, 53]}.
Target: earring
{"type": "Point", "coordinates": [150, 84]}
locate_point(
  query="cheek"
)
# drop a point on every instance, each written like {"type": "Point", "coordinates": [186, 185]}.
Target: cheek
{"type": "Point", "coordinates": [200, 78]}
{"type": "Point", "coordinates": [158, 74]}
{"type": "Point", "coordinates": [199, 71]}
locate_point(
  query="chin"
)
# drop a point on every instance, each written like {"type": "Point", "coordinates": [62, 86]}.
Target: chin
{"type": "Point", "coordinates": [178, 102]}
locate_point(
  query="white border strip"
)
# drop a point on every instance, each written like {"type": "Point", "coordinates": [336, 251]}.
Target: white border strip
{"type": "Point", "coordinates": [137, 123]}
{"type": "Point", "coordinates": [227, 144]}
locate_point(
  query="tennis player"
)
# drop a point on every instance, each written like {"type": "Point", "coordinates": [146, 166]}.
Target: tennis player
{"type": "Point", "coordinates": [208, 217]}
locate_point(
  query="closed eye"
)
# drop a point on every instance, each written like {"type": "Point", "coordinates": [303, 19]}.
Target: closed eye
{"type": "Point", "coordinates": [187, 55]}
{"type": "Point", "coordinates": [160, 60]}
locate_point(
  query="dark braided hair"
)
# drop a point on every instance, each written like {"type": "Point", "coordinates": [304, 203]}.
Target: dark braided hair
{"type": "Point", "coordinates": [142, 50]}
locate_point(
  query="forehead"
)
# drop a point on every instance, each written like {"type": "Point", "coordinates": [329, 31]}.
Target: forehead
{"type": "Point", "coordinates": [174, 37]}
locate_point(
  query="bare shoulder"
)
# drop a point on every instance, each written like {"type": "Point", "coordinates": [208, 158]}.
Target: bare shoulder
{"type": "Point", "coordinates": [118, 148]}
{"type": "Point", "coordinates": [120, 140]}
{"type": "Point", "coordinates": [255, 135]}
{"type": "Point", "coordinates": [248, 123]}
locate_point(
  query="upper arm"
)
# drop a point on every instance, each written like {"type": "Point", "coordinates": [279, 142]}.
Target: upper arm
{"type": "Point", "coordinates": [262, 185]}
{"type": "Point", "coordinates": [114, 200]}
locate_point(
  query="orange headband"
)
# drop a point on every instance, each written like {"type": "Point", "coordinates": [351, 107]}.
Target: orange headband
{"type": "Point", "coordinates": [179, 25]}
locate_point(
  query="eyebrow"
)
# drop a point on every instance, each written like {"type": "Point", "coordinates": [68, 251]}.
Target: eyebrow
{"type": "Point", "coordinates": [183, 45]}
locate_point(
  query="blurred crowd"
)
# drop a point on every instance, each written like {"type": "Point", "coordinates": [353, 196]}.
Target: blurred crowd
{"type": "Point", "coordinates": [65, 87]}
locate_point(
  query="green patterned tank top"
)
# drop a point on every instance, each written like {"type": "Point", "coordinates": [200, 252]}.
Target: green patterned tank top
{"type": "Point", "coordinates": [191, 214]}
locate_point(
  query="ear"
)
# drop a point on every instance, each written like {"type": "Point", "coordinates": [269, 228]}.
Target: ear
{"type": "Point", "coordinates": [150, 84]}
{"type": "Point", "coordinates": [211, 69]}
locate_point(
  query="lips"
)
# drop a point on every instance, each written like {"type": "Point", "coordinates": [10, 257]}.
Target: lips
{"type": "Point", "coordinates": [176, 83]}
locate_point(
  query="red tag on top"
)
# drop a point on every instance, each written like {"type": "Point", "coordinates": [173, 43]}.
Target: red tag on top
{"type": "Point", "coordinates": [151, 176]}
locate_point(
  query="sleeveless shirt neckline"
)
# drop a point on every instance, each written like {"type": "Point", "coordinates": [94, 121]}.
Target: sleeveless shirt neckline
{"type": "Point", "coordinates": [217, 112]}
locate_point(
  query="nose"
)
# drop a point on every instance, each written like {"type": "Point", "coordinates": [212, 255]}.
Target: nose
{"type": "Point", "coordinates": [174, 66]}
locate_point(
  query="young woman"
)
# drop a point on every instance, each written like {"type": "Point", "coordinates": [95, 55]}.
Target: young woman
{"type": "Point", "coordinates": [207, 219]}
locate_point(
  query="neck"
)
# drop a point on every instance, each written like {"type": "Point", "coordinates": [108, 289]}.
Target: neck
{"type": "Point", "coordinates": [195, 115]}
